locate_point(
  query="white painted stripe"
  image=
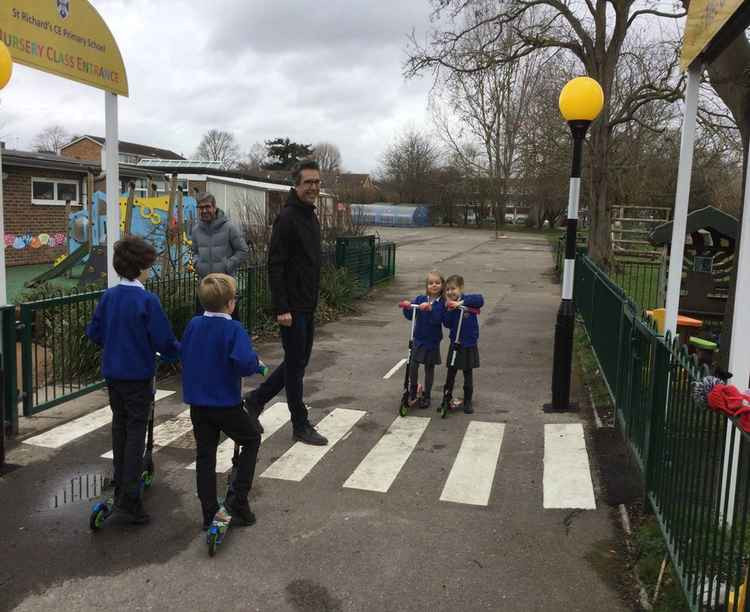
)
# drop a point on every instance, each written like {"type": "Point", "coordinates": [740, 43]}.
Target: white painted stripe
{"type": "Point", "coordinates": [574, 195]}
{"type": "Point", "coordinates": [72, 430]}
{"type": "Point", "coordinates": [473, 471]}
{"type": "Point", "coordinates": [168, 432]}
{"type": "Point", "coordinates": [272, 419]}
{"type": "Point", "coordinates": [568, 278]}
{"type": "Point", "coordinates": [301, 458]}
{"type": "Point", "coordinates": [567, 477]}
{"type": "Point", "coordinates": [379, 468]}
{"type": "Point", "coordinates": [394, 369]}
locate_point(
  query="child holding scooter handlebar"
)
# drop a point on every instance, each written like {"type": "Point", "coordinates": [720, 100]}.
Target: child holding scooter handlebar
{"type": "Point", "coordinates": [460, 317]}
{"type": "Point", "coordinates": [428, 310]}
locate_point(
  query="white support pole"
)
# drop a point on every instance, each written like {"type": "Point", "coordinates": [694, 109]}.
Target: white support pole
{"type": "Point", "coordinates": [3, 288]}
{"type": "Point", "coordinates": [111, 146]}
{"type": "Point", "coordinates": [682, 197]}
{"type": "Point", "coordinates": [739, 356]}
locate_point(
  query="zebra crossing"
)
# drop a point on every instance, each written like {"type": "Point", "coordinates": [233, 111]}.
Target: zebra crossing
{"type": "Point", "coordinates": [567, 479]}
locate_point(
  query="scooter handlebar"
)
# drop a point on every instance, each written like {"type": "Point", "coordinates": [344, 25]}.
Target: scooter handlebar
{"type": "Point", "coordinates": [405, 304]}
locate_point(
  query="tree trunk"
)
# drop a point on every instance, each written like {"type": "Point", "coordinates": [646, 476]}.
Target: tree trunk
{"type": "Point", "coordinates": [599, 231]}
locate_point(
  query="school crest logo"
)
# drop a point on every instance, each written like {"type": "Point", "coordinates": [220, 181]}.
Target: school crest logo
{"type": "Point", "coordinates": [63, 8]}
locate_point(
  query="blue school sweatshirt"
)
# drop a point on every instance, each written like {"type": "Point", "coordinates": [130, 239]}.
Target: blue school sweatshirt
{"type": "Point", "coordinates": [216, 353]}
{"type": "Point", "coordinates": [470, 325]}
{"type": "Point", "coordinates": [428, 332]}
{"type": "Point", "coordinates": [131, 327]}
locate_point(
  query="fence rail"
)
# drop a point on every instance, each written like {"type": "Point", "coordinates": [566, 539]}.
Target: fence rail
{"type": "Point", "coordinates": [695, 462]}
{"type": "Point", "coordinates": [58, 363]}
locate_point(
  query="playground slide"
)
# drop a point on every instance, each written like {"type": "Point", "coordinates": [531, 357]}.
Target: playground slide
{"type": "Point", "coordinates": [68, 263]}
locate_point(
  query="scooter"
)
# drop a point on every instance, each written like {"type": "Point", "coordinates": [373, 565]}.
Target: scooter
{"type": "Point", "coordinates": [405, 404]}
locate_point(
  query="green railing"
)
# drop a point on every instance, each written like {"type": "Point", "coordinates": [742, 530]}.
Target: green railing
{"type": "Point", "coordinates": [58, 363]}
{"type": "Point", "coordinates": [642, 280]}
{"type": "Point", "coordinates": [684, 450]}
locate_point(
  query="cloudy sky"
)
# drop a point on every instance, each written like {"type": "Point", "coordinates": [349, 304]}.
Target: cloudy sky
{"type": "Point", "coordinates": [311, 71]}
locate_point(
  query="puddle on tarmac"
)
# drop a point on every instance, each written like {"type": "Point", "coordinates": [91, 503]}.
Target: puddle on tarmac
{"type": "Point", "coordinates": [84, 487]}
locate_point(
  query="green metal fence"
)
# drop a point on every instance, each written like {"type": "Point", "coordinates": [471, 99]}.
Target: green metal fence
{"type": "Point", "coordinates": [58, 363]}
{"type": "Point", "coordinates": [687, 453]}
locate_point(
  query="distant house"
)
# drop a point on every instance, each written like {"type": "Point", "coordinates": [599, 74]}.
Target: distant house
{"type": "Point", "coordinates": [352, 187]}
{"type": "Point", "coordinates": [39, 191]}
{"type": "Point", "coordinates": [91, 148]}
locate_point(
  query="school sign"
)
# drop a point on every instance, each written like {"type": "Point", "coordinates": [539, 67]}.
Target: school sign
{"type": "Point", "coordinates": [705, 20]}
{"type": "Point", "coordinates": [63, 37]}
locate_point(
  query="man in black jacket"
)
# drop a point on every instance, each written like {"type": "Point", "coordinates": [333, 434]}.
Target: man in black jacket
{"type": "Point", "coordinates": [294, 258]}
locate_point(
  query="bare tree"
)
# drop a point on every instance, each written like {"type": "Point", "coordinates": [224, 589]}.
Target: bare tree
{"type": "Point", "coordinates": [408, 164]}
{"type": "Point", "coordinates": [217, 145]}
{"type": "Point", "coordinates": [593, 31]}
{"type": "Point", "coordinates": [254, 158]}
{"type": "Point", "coordinates": [51, 139]}
{"type": "Point", "coordinates": [328, 157]}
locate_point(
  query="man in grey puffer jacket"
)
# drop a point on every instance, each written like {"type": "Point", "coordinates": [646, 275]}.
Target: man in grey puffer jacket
{"type": "Point", "coordinates": [217, 244]}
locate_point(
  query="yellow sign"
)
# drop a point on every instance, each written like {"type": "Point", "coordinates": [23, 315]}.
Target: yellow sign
{"type": "Point", "coordinates": [705, 20]}
{"type": "Point", "coordinates": [64, 37]}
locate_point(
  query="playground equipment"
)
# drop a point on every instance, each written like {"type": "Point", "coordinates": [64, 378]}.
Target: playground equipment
{"type": "Point", "coordinates": [164, 221]}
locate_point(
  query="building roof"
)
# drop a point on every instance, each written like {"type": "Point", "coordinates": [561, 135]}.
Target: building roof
{"type": "Point", "coordinates": [132, 148]}
{"type": "Point", "coordinates": [209, 168]}
{"type": "Point", "coordinates": [703, 218]}
{"type": "Point", "coordinates": [50, 161]}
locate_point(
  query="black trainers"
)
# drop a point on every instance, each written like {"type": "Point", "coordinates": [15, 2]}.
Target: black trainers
{"type": "Point", "coordinates": [208, 517]}
{"type": "Point", "coordinates": [424, 403]}
{"type": "Point", "coordinates": [308, 435]}
{"type": "Point", "coordinates": [242, 516]}
{"type": "Point", "coordinates": [468, 409]}
{"type": "Point", "coordinates": [132, 510]}
{"type": "Point", "coordinates": [446, 403]}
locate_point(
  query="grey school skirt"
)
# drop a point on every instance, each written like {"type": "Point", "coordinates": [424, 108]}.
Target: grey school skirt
{"type": "Point", "coordinates": [427, 356]}
{"type": "Point", "coordinates": [467, 358]}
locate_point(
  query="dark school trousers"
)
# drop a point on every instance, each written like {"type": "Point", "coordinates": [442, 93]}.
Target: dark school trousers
{"type": "Point", "coordinates": [242, 428]}
{"type": "Point", "coordinates": [131, 402]}
{"type": "Point", "coordinates": [297, 341]}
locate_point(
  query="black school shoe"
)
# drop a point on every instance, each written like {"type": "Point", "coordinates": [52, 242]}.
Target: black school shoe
{"type": "Point", "coordinates": [424, 403]}
{"type": "Point", "coordinates": [308, 435]}
{"type": "Point", "coordinates": [468, 408]}
{"type": "Point", "coordinates": [208, 518]}
{"type": "Point", "coordinates": [242, 516]}
{"type": "Point", "coordinates": [132, 509]}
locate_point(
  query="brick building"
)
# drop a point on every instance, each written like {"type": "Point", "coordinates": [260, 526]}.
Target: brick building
{"type": "Point", "coordinates": [36, 187]}
{"type": "Point", "coordinates": [91, 148]}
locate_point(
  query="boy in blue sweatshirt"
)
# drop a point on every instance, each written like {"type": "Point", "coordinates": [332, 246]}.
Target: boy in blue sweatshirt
{"type": "Point", "coordinates": [216, 353]}
{"type": "Point", "coordinates": [131, 327]}
{"type": "Point", "coordinates": [467, 353]}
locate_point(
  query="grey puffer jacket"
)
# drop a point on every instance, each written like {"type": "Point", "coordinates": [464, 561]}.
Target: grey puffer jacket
{"type": "Point", "coordinates": [218, 246]}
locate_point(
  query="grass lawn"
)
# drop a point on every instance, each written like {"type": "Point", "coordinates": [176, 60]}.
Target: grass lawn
{"type": "Point", "coordinates": [17, 276]}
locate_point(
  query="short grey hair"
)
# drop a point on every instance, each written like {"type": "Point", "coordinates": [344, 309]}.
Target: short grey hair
{"type": "Point", "coordinates": [305, 164]}
{"type": "Point", "coordinates": [204, 196]}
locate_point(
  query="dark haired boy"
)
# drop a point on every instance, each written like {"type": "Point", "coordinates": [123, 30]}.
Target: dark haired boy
{"type": "Point", "coordinates": [131, 327]}
{"type": "Point", "coordinates": [216, 353]}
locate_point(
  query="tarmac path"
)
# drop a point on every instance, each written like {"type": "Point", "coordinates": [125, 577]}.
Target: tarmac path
{"type": "Point", "coordinates": [500, 510]}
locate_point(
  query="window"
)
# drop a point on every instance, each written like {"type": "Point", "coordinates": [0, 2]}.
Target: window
{"type": "Point", "coordinates": [53, 191]}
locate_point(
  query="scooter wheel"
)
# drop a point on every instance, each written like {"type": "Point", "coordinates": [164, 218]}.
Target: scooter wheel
{"type": "Point", "coordinates": [443, 412]}
{"type": "Point", "coordinates": [147, 478]}
{"type": "Point", "coordinates": [212, 544]}
{"type": "Point", "coordinates": [403, 410]}
{"type": "Point", "coordinates": [96, 520]}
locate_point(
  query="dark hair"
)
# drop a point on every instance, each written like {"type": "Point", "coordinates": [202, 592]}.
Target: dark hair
{"type": "Point", "coordinates": [133, 255]}
{"type": "Point", "coordinates": [305, 164]}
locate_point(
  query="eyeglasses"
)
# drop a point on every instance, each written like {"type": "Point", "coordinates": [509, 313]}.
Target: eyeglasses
{"type": "Point", "coordinates": [209, 207]}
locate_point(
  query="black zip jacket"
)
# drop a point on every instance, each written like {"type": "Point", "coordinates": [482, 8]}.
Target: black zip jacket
{"type": "Point", "coordinates": [294, 257]}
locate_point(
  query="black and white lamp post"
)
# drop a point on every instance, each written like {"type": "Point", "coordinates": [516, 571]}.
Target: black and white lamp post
{"type": "Point", "coordinates": [581, 101]}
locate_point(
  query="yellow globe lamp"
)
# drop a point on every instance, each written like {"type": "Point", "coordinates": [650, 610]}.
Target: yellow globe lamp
{"type": "Point", "coordinates": [6, 65]}
{"type": "Point", "coordinates": [581, 99]}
